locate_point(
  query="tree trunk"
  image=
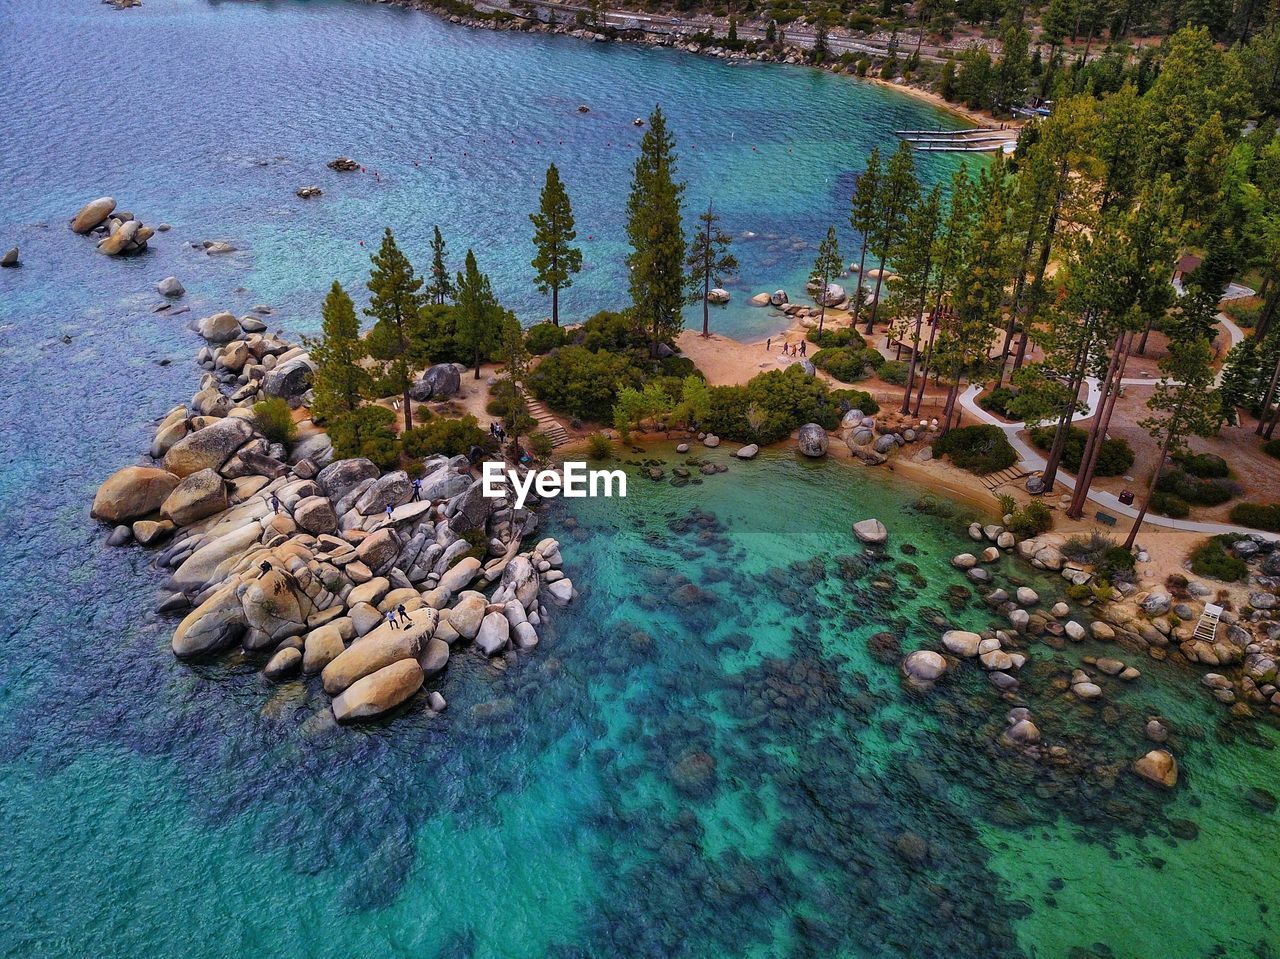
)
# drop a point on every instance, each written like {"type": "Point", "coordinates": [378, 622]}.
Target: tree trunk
{"type": "Point", "coordinates": [1146, 331]}
{"type": "Point", "coordinates": [1063, 429]}
{"type": "Point", "coordinates": [1102, 420]}
{"type": "Point", "coordinates": [915, 346]}
{"type": "Point", "coordinates": [706, 309]}
{"type": "Point", "coordinates": [1267, 400]}
{"type": "Point", "coordinates": [857, 300]}
{"type": "Point", "coordinates": [1146, 500]}
{"type": "Point", "coordinates": [555, 305]}
{"type": "Point", "coordinates": [928, 360]}
{"type": "Point", "coordinates": [477, 363]}
{"type": "Point", "coordinates": [875, 304]}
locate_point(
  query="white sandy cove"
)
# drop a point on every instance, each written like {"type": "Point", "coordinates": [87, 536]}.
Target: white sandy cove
{"type": "Point", "coordinates": [577, 482]}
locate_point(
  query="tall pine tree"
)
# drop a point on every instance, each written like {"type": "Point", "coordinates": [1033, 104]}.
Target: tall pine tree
{"type": "Point", "coordinates": [340, 382]}
{"type": "Point", "coordinates": [441, 285]}
{"type": "Point", "coordinates": [654, 230]}
{"type": "Point", "coordinates": [557, 259]}
{"type": "Point", "coordinates": [479, 327]}
{"type": "Point", "coordinates": [397, 296]}
{"type": "Point", "coordinates": [709, 261]}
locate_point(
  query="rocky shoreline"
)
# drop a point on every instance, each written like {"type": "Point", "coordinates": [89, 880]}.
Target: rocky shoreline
{"type": "Point", "coordinates": [298, 558]}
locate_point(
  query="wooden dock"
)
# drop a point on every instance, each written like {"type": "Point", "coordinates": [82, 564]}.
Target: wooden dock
{"type": "Point", "coordinates": [979, 140]}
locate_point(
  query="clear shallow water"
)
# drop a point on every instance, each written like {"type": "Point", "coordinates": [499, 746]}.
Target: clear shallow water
{"type": "Point", "coordinates": [631, 794]}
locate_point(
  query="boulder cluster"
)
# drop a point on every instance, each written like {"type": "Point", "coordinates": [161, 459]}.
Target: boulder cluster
{"type": "Point", "coordinates": [122, 234]}
{"type": "Point", "coordinates": [306, 562]}
{"type": "Point", "coordinates": [872, 438]}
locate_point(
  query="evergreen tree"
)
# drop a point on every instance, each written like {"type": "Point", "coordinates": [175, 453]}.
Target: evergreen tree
{"type": "Point", "coordinates": [862, 216]}
{"type": "Point", "coordinates": [515, 357]}
{"type": "Point", "coordinates": [1184, 404]}
{"type": "Point", "coordinates": [553, 235]}
{"type": "Point", "coordinates": [1013, 71]}
{"type": "Point", "coordinates": [340, 382]}
{"type": "Point", "coordinates": [654, 230]}
{"type": "Point", "coordinates": [709, 261]}
{"type": "Point", "coordinates": [479, 316]}
{"type": "Point", "coordinates": [397, 296]}
{"type": "Point", "coordinates": [974, 79]}
{"type": "Point", "coordinates": [441, 286]}
{"type": "Point", "coordinates": [826, 267]}
{"type": "Point", "coordinates": [894, 198]}
{"type": "Point", "coordinates": [914, 263]}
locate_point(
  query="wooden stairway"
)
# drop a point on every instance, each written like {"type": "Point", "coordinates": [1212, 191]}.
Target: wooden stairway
{"type": "Point", "coordinates": [547, 422]}
{"type": "Point", "coordinates": [993, 481]}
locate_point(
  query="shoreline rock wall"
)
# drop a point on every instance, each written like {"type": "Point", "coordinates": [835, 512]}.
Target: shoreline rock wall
{"type": "Point", "coordinates": [301, 559]}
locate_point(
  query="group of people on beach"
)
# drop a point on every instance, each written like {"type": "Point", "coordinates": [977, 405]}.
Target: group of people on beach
{"type": "Point", "coordinates": [788, 349]}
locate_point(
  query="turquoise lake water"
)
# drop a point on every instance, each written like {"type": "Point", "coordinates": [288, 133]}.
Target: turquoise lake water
{"type": "Point", "coordinates": [708, 756]}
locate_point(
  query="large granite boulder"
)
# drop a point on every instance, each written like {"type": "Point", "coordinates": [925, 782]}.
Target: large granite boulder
{"type": "Point", "coordinates": [208, 448]}
{"type": "Point", "coordinates": [273, 607]}
{"type": "Point", "coordinates": [315, 515]}
{"type": "Point", "coordinates": [438, 383]}
{"type": "Point", "coordinates": [290, 379]}
{"type": "Point", "coordinates": [201, 494]}
{"type": "Point", "coordinates": [812, 440]}
{"type": "Point", "coordinates": [495, 633]}
{"type": "Point", "coordinates": [342, 476]}
{"type": "Point", "coordinates": [92, 215]}
{"type": "Point", "coordinates": [219, 327]}
{"type": "Point", "coordinates": [389, 490]}
{"type": "Point", "coordinates": [215, 624]}
{"type": "Point", "coordinates": [379, 649]}
{"type": "Point", "coordinates": [378, 692]}
{"type": "Point", "coordinates": [132, 493]}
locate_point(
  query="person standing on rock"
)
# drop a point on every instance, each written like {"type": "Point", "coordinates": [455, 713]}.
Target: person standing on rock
{"type": "Point", "coordinates": [404, 615]}
{"type": "Point", "coordinates": [417, 491]}
{"type": "Point", "coordinates": [391, 618]}
{"type": "Point", "coordinates": [388, 512]}
{"type": "Point", "coordinates": [275, 504]}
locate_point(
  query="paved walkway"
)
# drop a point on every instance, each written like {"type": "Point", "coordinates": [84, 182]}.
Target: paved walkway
{"type": "Point", "coordinates": [1034, 462]}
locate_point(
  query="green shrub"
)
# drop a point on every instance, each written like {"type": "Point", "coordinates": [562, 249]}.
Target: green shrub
{"type": "Point", "coordinates": [1116, 565]}
{"type": "Point", "coordinates": [1204, 492]}
{"type": "Point", "coordinates": [542, 338]}
{"type": "Point", "coordinates": [1114, 458]}
{"type": "Point", "coordinates": [584, 383]}
{"type": "Point", "coordinates": [1087, 549]}
{"type": "Point", "coordinates": [1272, 448]}
{"type": "Point", "coordinates": [448, 436]}
{"type": "Point", "coordinates": [855, 400]}
{"type": "Point", "coordinates": [274, 420]}
{"type": "Point", "coordinates": [777, 401]}
{"type": "Point", "coordinates": [978, 449]}
{"type": "Point", "coordinates": [366, 432]}
{"type": "Point", "coordinates": [830, 337]}
{"type": "Point", "coordinates": [1032, 520]}
{"type": "Point", "coordinates": [997, 401]}
{"type": "Point", "coordinates": [614, 332]}
{"type": "Point", "coordinates": [1257, 515]}
{"type": "Point", "coordinates": [1213, 560]}
{"type": "Point", "coordinates": [844, 364]}
{"type": "Point", "coordinates": [501, 398]}
{"type": "Point", "coordinates": [1205, 465]}
{"type": "Point", "coordinates": [894, 371]}
{"type": "Point", "coordinates": [1169, 504]}
{"type": "Point", "coordinates": [599, 446]}
{"type": "Point", "coordinates": [541, 445]}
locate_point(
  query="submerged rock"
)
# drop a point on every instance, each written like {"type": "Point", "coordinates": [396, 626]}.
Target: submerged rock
{"type": "Point", "coordinates": [870, 531]}
{"type": "Point", "coordinates": [1158, 767]}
